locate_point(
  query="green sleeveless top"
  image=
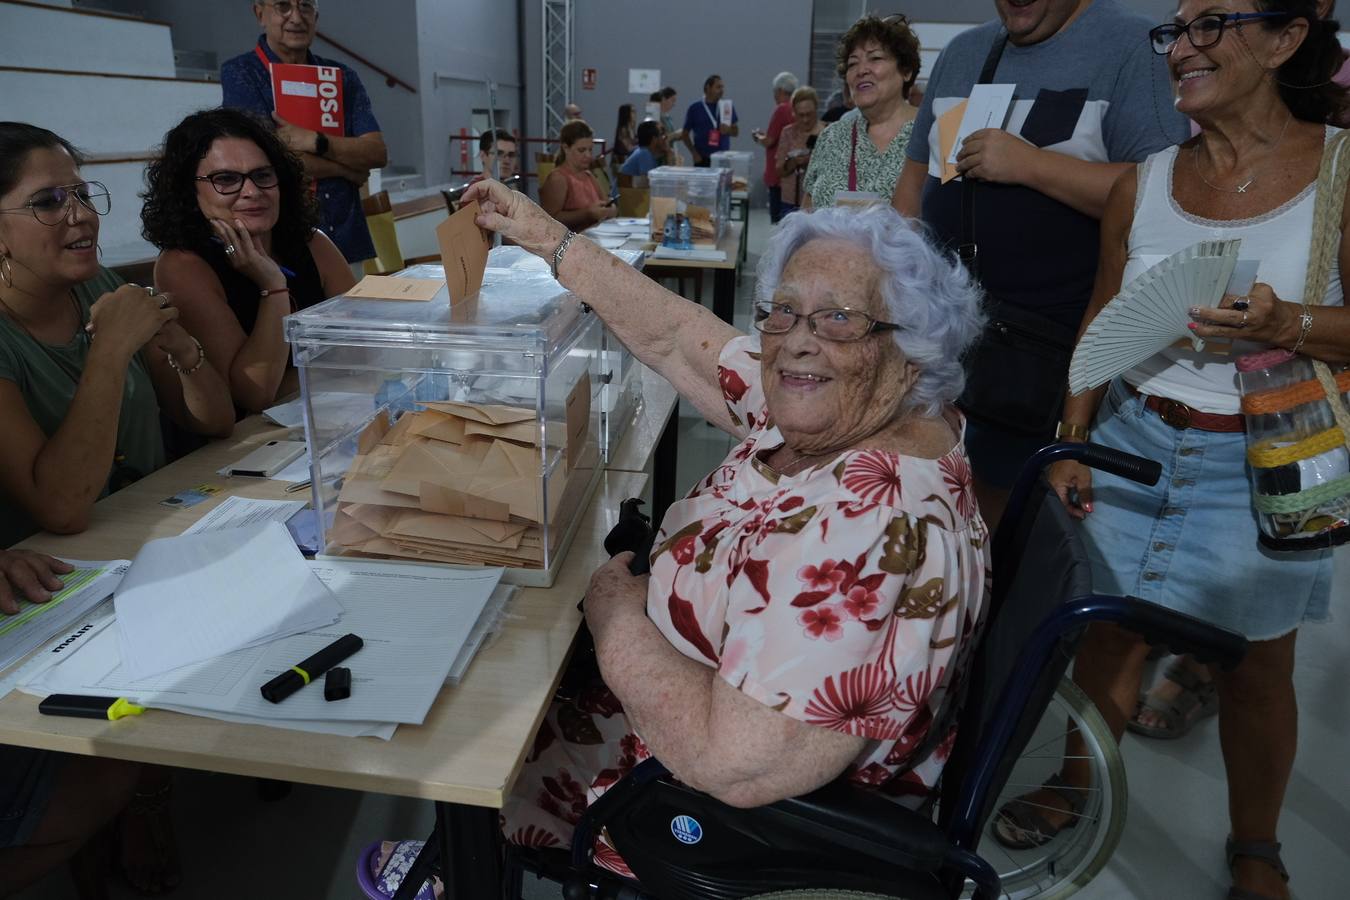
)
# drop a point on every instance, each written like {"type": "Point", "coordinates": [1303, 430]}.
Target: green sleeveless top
{"type": "Point", "coordinates": [47, 376]}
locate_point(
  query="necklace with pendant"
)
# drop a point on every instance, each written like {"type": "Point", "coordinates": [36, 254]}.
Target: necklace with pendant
{"type": "Point", "coordinates": [1251, 174]}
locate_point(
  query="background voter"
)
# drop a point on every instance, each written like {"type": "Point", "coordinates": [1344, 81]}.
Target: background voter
{"type": "Point", "coordinates": [704, 126]}
{"type": "Point", "coordinates": [339, 163]}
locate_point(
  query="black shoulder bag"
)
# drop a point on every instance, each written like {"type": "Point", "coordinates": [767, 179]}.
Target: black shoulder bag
{"type": "Point", "coordinates": [1016, 374]}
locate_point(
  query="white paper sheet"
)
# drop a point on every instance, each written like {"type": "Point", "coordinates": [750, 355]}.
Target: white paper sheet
{"type": "Point", "coordinates": [987, 108]}
{"type": "Point", "coordinates": [197, 596]}
{"type": "Point", "coordinates": [331, 407]}
{"type": "Point", "coordinates": [241, 512]}
{"type": "Point", "coordinates": [413, 619]}
{"type": "Point", "coordinates": [89, 585]}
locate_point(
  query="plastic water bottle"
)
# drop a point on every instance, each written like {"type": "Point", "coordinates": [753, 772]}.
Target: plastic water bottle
{"type": "Point", "coordinates": [432, 387]}
{"type": "Point", "coordinates": [393, 394]}
{"type": "Point", "coordinates": [670, 236]}
{"type": "Point", "coordinates": [686, 242]}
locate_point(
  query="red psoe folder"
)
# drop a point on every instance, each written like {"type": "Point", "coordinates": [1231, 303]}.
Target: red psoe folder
{"type": "Point", "coordinates": [309, 96]}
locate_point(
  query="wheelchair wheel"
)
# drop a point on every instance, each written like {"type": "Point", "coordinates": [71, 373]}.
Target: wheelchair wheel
{"type": "Point", "coordinates": [1059, 868]}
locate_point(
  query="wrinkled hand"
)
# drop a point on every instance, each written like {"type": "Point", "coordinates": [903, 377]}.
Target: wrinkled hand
{"type": "Point", "coordinates": [1069, 478]}
{"type": "Point", "coordinates": [128, 318]}
{"type": "Point", "coordinates": [299, 140]}
{"type": "Point", "coordinates": [613, 592]}
{"type": "Point", "coordinates": [248, 259]}
{"type": "Point", "coordinates": [992, 154]}
{"type": "Point", "coordinates": [1267, 318]}
{"type": "Point", "coordinates": [515, 216]}
{"type": "Point", "coordinates": [29, 575]}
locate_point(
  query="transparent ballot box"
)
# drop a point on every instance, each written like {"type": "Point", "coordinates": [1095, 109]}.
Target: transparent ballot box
{"type": "Point", "coordinates": [701, 195]}
{"type": "Point", "coordinates": [738, 161]}
{"type": "Point", "coordinates": [620, 375]}
{"type": "Point", "coordinates": [467, 434]}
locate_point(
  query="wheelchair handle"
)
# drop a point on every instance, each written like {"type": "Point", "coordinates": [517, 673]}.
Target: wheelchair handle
{"type": "Point", "coordinates": [1118, 462]}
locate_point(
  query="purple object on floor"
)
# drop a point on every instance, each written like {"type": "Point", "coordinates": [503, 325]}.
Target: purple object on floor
{"type": "Point", "coordinates": [385, 885]}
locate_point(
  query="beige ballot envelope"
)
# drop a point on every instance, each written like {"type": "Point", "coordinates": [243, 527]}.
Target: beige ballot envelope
{"type": "Point", "coordinates": [464, 252]}
{"type": "Point", "coordinates": [388, 287]}
{"type": "Point", "coordinates": [513, 423]}
{"type": "Point", "coordinates": [432, 528]}
{"type": "Point", "coordinates": [949, 123]}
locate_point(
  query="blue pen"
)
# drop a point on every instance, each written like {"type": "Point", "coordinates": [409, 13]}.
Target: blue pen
{"type": "Point", "coordinates": [285, 271]}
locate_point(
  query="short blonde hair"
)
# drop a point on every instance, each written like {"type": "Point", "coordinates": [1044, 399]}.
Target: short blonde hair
{"type": "Point", "coordinates": [805, 92]}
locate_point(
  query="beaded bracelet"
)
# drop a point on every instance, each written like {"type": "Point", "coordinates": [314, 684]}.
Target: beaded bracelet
{"type": "Point", "coordinates": [201, 358]}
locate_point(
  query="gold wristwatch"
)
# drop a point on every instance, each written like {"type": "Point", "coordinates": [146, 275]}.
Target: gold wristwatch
{"type": "Point", "coordinates": [1065, 431]}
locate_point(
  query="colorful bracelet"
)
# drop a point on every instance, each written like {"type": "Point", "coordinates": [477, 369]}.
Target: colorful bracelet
{"type": "Point", "coordinates": [201, 358]}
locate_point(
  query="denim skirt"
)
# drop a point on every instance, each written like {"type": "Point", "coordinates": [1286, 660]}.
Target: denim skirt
{"type": "Point", "coordinates": [1189, 542]}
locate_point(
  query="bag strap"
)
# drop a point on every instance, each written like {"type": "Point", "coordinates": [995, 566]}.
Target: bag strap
{"type": "Point", "coordinates": [1332, 179]}
{"type": "Point", "coordinates": [968, 250]}
{"type": "Point", "coordinates": [853, 159]}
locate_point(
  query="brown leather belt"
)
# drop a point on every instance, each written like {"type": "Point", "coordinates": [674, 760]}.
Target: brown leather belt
{"type": "Point", "coordinates": [1179, 415]}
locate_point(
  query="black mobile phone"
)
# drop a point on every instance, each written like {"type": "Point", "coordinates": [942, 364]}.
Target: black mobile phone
{"type": "Point", "coordinates": [611, 201]}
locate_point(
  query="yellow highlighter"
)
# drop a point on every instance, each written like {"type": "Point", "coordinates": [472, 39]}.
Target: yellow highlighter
{"type": "Point", "coordinates": [110, 708]}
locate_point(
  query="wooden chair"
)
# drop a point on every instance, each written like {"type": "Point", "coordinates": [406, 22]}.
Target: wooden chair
{"type": "Point", "coordinates": [383, 233]}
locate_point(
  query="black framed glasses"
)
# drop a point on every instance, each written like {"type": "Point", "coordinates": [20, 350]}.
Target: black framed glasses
{"type": "Point", "coordinates": [52, 206]}
{"type": "Point", "coordinates": [307, 8]}
{"type": "Point", "coordinates": [837, 324]}
{"type": "Point", "coordinates": [227, 182]}
{"type": "Point", "coordinates": [1202, 31]}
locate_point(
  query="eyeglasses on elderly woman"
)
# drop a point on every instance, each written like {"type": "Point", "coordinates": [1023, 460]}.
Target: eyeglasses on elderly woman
{"type": "Point", "coordinates": [52, 205]}
{"type": "Point", "coordinates": [1202, 31]}
{"type": "Point", "coordinates": [839, 324]}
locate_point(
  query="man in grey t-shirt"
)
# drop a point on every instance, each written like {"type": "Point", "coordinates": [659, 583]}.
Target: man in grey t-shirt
{"type": "Point", "coordinates": [1091, 100]}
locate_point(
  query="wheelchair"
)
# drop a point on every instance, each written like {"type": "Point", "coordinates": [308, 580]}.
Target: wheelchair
{"type": "Point", "coordinates": [844, 842]}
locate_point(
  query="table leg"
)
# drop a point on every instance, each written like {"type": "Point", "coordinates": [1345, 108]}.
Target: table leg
{"type": "Point", "coordinates": [467, 842]}
{"type": "Point", "coordinates": [663, 467]}
{"type": "Point", "coordinates": [724, 294]}
{"type": "Point", "coordinates": [471, 842]}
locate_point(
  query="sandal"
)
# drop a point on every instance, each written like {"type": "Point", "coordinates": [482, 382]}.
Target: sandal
{"type": "Point", "coordinates": [1197, 700]}
{"type": "Point", "coordinates": [1022, 825]}
{"type": "Point", "coordinates": [383, 865]}
{"type": "Point", "coordinates": [1266, 851]}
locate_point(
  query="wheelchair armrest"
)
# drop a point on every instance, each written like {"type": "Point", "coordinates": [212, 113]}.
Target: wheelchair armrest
{"type": "Point", "coordinates": [1178, 632]}
{"type": "Point", "coordinates": [843, 812]}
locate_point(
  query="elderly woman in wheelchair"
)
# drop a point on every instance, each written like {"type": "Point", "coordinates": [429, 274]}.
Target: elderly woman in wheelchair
{"type": "Point", "coordinates": [810, 602]}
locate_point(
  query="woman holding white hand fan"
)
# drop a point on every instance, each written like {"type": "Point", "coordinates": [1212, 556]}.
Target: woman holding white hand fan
{"type": "Point", "coordinates": [1257, 79]}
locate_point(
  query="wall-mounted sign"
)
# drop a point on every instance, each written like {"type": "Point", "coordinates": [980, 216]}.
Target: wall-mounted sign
{"type": "Point", "coordinates": [644, 81]}
{"type": "Point", "coordinates": [588, 79]}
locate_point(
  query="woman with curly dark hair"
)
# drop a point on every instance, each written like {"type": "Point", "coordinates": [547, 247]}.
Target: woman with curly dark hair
{"type": "Point", "coordinates": [235, 221]}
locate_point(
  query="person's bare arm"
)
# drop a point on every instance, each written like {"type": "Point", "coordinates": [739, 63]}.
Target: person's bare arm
{"type": "Point", "coordinates": [252, 364]}
{"type": "Point", "coordinates": [992, 154]}
{"type": "Point", "coordinates": [678, 338]}
{"type": "Point", "coordinates": [199, 400]}
{"type": "Point", "coordinates": [317, 167]}
{"type": "Point", "coordinates": [908, 196]}
{"type": "Point", "coordinates": [56, 479]}
{"type": "Point", "coordinates": [552, 196]}
{"type": "Point", "coordinates": [361, 153]}
{"type": "Point", "coordinates": [1081, 409]}
{"type": "Point", "coordinates": [25, 575]}
{"type": "Point", "coordinates": [710, 735]}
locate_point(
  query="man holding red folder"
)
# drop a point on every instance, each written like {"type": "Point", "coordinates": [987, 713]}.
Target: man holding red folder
{"type": "Point", "coordinates": [325, 116]}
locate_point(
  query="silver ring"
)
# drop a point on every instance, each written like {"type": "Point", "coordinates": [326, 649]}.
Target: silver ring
{"type": "Point", "coordinates": [150, 290]}
{"type": "Point", "coordinates": [229, 250]}
{"type": "Point", "coordinates": [1243, 323]}
{"type": "Point", "coordinates": [1241, 304]}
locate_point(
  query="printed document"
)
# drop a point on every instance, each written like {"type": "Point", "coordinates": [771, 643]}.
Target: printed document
{"type": "Point", "coordinates": [194, 597]}
{"type": "Point", "coordinates": [89, 585]}
{"type": "Point", "coordinates": [413, 619]}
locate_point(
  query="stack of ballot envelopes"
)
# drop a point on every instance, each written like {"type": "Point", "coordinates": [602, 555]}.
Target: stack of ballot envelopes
{"type": "Point", "coordinates": [454, 482]}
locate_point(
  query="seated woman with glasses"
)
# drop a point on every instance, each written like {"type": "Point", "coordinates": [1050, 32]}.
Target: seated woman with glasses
{"type": "Point", "coordinates": [87, 363]}
{"type": "Point", "coordinates": [229, 208]}
{"type": "Point", "coordinates": [812, 599]}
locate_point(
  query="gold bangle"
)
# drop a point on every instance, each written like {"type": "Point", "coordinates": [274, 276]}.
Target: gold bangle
{"type": "Point", "coordinates": [1072, 432]}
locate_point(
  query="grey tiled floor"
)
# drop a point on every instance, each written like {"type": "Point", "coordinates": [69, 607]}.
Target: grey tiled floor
{"type": "Point", "coordinates": [235, 846]}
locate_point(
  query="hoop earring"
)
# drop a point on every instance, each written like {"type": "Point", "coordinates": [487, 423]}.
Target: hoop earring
{"type": "Point", "coordinates": [6, 271]}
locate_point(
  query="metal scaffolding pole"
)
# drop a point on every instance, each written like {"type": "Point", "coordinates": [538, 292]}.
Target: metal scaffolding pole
{"type": "Point", "coordinates": [559, 46]}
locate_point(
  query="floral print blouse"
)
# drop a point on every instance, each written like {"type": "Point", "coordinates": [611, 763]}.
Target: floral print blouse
{"type": "Point", "coordinates": [841, 596]}
{"type": "Point", "coordinates": [827, 174]}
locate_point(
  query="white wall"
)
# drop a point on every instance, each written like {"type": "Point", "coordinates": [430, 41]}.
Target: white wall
{"type": "Point", "coordinates": [460, 46]}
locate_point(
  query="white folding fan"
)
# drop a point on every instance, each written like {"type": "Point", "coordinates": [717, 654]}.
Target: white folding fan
{"type": "Point", "coordinates": [1152, 311]}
